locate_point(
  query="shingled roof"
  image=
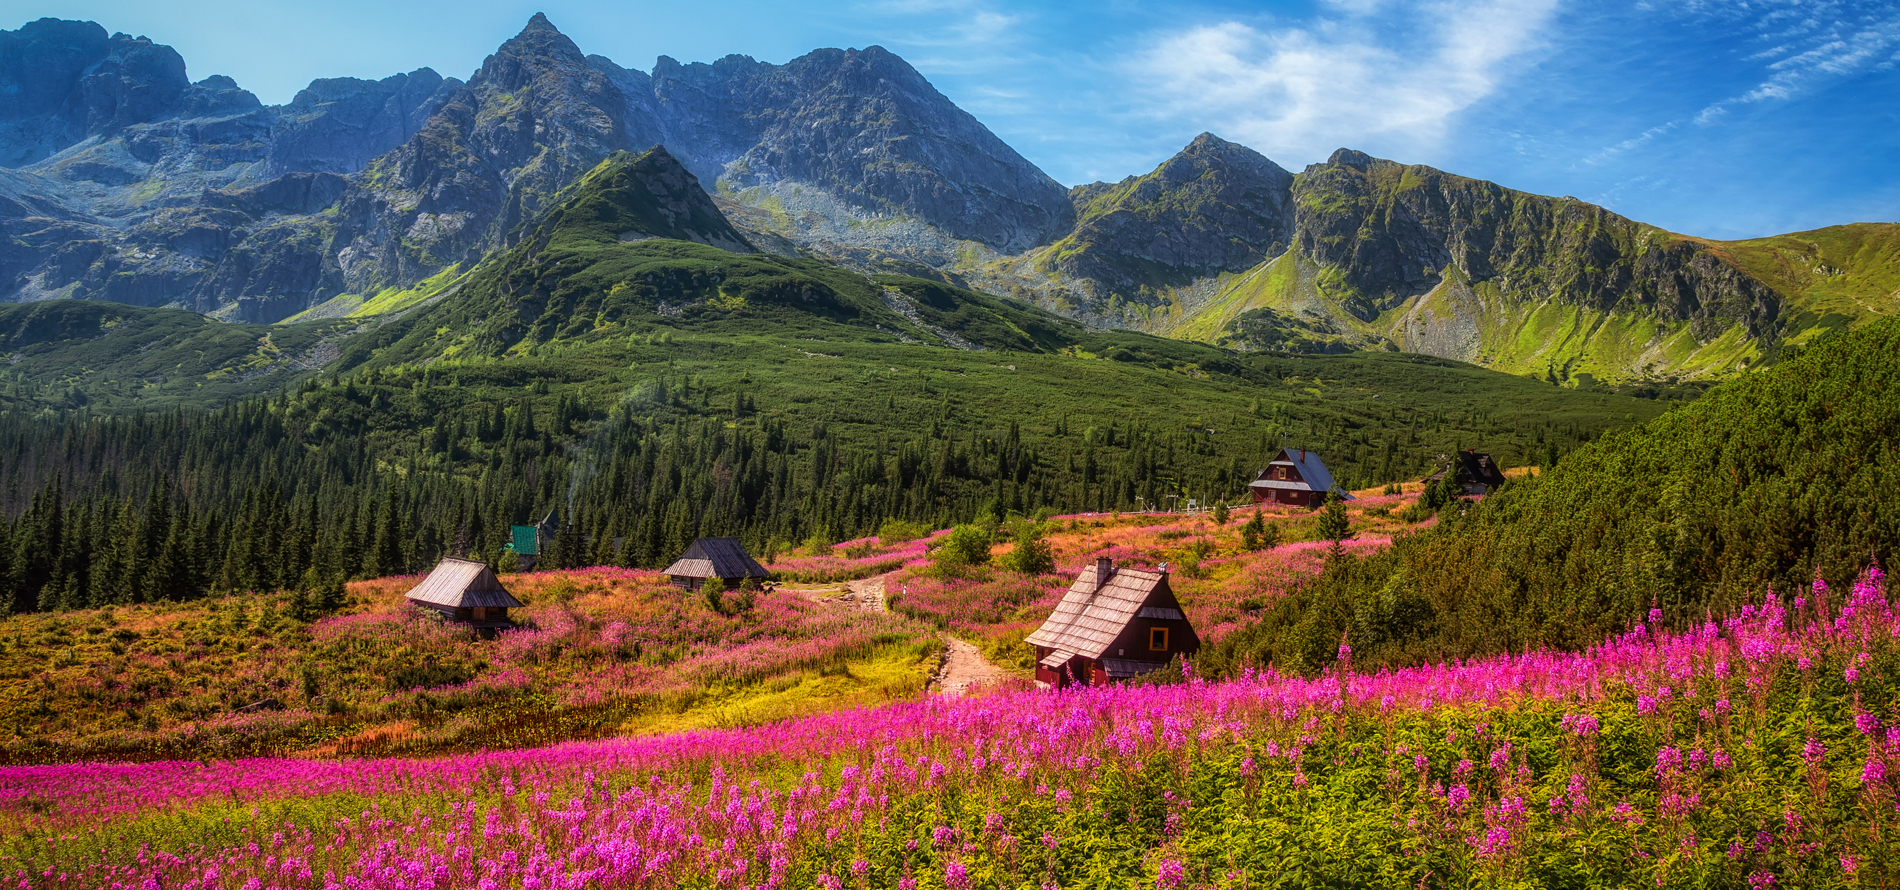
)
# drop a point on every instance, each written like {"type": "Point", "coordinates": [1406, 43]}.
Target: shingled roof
{"type": "Point", "coordinates": [716, 558]}
{"type": "Point", "coordinates": [1088, 619]}
{"type": "Point", "coordinates": [1312, 471]}
{"type": "Point", "coordinates": [462, 584]}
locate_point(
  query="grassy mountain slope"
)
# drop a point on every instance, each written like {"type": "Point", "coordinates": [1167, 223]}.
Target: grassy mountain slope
{"type": "Point", "coordinates": [74, 353]}
{"type": "Point", "coordinates": [1766, 483]}
{"type": "Point", "coordinates": [1840, 276]}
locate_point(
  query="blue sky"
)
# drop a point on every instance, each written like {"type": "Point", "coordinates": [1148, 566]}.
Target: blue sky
{"type": "Point", "coordinates": [1720, 119]}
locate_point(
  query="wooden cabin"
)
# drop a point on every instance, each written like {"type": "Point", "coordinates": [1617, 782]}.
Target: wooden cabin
{"type": "Point", "coordinates": [715, 559]}
{"type": "Point", "coordinates": [466, 592]}
{"type": "Point", "coordinates": [1474, 472]}
{"type": "Point", "coordinates": [1113, 624]}
{"type": "Point", "coordinates": [1295, 478]}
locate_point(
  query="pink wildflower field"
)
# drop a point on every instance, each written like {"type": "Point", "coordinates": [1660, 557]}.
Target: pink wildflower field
{"type": "Point", "coordinates": [1752, 749]}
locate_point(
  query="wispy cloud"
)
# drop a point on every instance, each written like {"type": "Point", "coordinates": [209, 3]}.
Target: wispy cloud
{"type": "Point", "coordinates": [952, 22]}
{"type": "Point", "coordinates": [1634, 142]}
{"type": "Point", "coordinates": [1387, 72]}
{"type": "Point", "coordinates": [1811, 44]}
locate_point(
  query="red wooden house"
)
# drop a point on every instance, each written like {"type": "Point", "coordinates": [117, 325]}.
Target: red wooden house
{"type": "Point", "coordinates": [1296, 478]}
{"type": "Point", "coordinates": [1113, 624]}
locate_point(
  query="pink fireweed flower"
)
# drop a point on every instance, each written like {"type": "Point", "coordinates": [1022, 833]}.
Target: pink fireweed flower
{"type": "Point", "coordinates": [1171, 875]}
{"type": "Point", "coordinates": [1668, 762]}
{"type": "Point", "coordinates": [1813, 752]}
{"type": "Point", "coordinates": [1874, 772]}
{"type": "Point", "coordinates": [956, 877]}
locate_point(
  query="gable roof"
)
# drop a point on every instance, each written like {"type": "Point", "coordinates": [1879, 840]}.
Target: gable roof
{"type": "Point", "coordinates": [1312, 471]}
{"type": "Point", "coordinates": [1472, 466]}
{"type": "Point", "coordinates": [716, 558]}
{"type": "Point", "coordinates": [461, 584]}
{"type": "Point", "coordinates": [1087, 620]}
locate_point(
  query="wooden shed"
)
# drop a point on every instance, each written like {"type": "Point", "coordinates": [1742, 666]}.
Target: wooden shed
{"type": "Point", "coordinates": [1474, 472]}
{"type": "Point", "coordinates": [466, 592]}
{"type": "Point", "coordinates": [1295, 478]}
{"type": "Point", "coordinates": [715, 559]}
{"type": "Point", "coordinates": [1113, 624]}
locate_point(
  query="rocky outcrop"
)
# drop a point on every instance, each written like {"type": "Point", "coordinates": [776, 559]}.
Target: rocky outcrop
{"type": "Point", "coordinates": [62, 82]}
{"type": "Point", "coordinates": [1214, 207]}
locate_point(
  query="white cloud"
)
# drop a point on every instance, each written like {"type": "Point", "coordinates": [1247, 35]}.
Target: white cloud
{"type": "Point", "coordinates": [1387, 72]}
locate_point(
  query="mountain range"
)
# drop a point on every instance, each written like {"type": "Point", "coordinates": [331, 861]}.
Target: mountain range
{"type": "Point", "coordinates": [122, 180]}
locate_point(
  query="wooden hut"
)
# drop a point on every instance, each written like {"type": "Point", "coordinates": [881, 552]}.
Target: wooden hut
{"type": "Point", "coordinates": [715, 559]}
{"type": "Point", "coordinates": [1295, 478]}
{"type": "Point", "coordinates": [1113, 624]}
{"type": "Point", "coordinates": [466, 592]}
{"type": "Point", "coordinates": [1474, 472]}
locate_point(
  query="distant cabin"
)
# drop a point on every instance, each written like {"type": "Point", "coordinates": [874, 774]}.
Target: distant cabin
{"type": "Point", "coordinates": [466, 592]}
{"type": "Point", "coordinates": [1474, 473]}
{"type": "Point", "coordinates": [715, 559]}
{"type": "Point", "coordinates": [527, 541]}
{"type": "Point", "coordinates": [1296, 478]}
{"type": "Point", "coordinates": [1113, 624]}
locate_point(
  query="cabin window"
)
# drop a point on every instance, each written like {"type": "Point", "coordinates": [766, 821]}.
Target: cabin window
{"type": "Point", "coordinates": [481, 613]}
{"type": "Point", "coordinates": [1158, 639]}
{"type": "Point", "coordinates": [1279, 472]}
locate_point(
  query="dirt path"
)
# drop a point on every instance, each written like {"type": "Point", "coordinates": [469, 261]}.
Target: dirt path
{"type": "Point", "coordinates": [963, 669]}
{"type": "Point", "coordinates": [868, 593]}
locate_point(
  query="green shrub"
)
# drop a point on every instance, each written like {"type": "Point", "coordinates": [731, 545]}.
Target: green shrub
{"type": "Point", "coordinates": [1032, 555]}
{"type": "Point", "coordinates": [965, 546]}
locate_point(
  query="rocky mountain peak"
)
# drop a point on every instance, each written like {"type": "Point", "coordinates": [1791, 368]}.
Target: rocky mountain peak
{"type": "Point", "coordinates": [540, 39]}
{"type": "Point", "coordinates": [1215, 206]}
{"type": "Point", "coordinates": [1347, 157]}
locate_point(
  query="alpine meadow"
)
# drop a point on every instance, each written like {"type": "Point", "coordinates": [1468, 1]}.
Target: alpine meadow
{"type": "Point", "coordinates": [761, 475]}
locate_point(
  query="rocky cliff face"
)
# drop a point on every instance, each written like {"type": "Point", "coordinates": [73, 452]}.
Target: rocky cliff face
{"type": "Point", "coordinates": [860, 127]}
{"type": "Point", "coordinates": [61, 82]}
{"type": "Point", "coordinates": [1392, 231]}
{"type": "Point", "coordinates": [535, 117]}
{"type": "Point", "coordinates": [130, 183]}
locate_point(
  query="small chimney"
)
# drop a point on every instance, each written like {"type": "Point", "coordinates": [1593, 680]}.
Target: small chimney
{"type": "Point", "coordinates": [1162, 568]}
{"type": "Point", "coordinates": [1104, 569]}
